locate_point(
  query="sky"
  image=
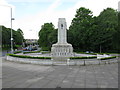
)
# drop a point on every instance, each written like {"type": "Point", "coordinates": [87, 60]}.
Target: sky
{"type": "Point", "coordinates": [31, 14]}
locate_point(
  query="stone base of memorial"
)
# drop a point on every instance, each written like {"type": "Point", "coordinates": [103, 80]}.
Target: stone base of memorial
{"type": "Point", "coordinates": [61, 51]}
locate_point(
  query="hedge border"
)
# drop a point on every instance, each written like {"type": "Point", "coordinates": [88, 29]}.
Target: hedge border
{"type": "Point", "coordinates": [17, 52]}
{"type": "Point", "coordinates": [91, 57]}
{"type": "Point", "coordinates": [23, 56]}
{"type": "Point", "coordinates": [108, 58]}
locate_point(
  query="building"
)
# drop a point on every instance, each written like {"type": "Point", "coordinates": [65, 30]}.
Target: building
{"type": "Point", "coordinates": [31, 41]}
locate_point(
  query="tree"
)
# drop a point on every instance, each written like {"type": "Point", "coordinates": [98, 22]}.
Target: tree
{"type": "Point", "coordinates": [18, 37]}
{"type": "Point", "coordinates": [79, 29]}
{"type": "Point", "coordinates": [116, 36]}
{"type": "Point", "coordinates": [47, 36]}
{"type": "Point", "coordinates": [106, 28]}
{"type": "Point", "coordinates": [52, 38]}
{"type": "Point", "coordinates": [92, 33]}
{"type": "Point", "coordinates": [6, 37]}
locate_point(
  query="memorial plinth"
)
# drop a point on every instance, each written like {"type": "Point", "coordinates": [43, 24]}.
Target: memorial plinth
{"type": "Point", "coordinates": [61, 50]}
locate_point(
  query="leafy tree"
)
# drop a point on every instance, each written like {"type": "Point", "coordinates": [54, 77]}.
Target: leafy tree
{"type": "Point", "coordinates": [18, 37]}
{"type": "Point", "coordinates": [106, 28]}
{"type": "Point", "coordinates": [92, 33]}
{"type": "Point", "coordinates": [116, 36]}
{"type": "Point", "coordinates": [79, 29]}
{"type": "Point", "coordinates": [6, 37]}
{"type": "Point", "coordinates": [47, 35]}
{"type": "Point", "coordinates": [52, 38]}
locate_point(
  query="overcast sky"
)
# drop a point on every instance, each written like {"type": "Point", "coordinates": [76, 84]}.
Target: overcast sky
{"type": "Point", "coordinates": [31, 14]}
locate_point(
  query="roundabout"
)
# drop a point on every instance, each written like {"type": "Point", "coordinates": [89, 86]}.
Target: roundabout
{"type": "Point", "coordinates": [61, 53]}
{"type": "Point", "coordinates": [77, 59]}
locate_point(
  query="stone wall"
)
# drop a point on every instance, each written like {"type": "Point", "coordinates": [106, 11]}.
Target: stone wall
{"type": "Point", "coordinates": [61, 62]}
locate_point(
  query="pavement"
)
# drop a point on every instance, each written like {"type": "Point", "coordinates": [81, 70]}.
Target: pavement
{"type": "Point", "coordinates": [16, 75]}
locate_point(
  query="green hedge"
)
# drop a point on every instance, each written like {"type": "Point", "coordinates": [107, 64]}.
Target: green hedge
{"type": "Point", "coordinates": [83, 57]}
{"type": "Point", "coordinates": [22, 56]}
{"type": "Point", "coordinates": [108, 58]}
{"type": "Point", "coordinates": [17, 52]}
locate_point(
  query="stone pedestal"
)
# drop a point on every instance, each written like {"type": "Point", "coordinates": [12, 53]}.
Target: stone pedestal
{"type": "Point", "coordinates": [61, 50]}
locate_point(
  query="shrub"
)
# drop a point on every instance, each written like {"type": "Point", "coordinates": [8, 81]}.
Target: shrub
{"type": "Point", "coordinates": [107, 58]}
{"type": "Point", "coordinates": [83, 57]}
{"type": "Point", "coordinates": [23, 56]}
{"type": "Point", "coordinates": [17, 52]}
{"type": "Point", "coordinates": [44, 52]}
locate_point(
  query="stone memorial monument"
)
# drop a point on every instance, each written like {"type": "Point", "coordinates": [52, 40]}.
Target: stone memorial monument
{"type": "Point", "coordinates": [61, 50]}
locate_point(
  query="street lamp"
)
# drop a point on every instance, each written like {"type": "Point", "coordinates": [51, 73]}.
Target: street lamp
{"type": "Point", "coordinates": [11, 32]}
{"type": "Point", "coordinates": [11, 27]}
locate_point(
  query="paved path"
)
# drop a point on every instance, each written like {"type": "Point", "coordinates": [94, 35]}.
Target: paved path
{"type": "Point", "coordinates": [17, 75]}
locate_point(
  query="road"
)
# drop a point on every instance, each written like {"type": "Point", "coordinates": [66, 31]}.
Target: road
{"type": "Point", "coordinates": [4, 52]}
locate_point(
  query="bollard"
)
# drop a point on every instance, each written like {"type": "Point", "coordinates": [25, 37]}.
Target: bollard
{"type": "Point", "coordinates": [68, 63]}
{"type": "Point", "coordinates": [52, 62]}
{"type": "Point", "coordinates": [105, 62]}
{"type": "Point", "coordinates": [99, 62]}
{"type": "Point", "coordinates": [109, 62]}
{"type": "Point", "coordinates": [84, 62]}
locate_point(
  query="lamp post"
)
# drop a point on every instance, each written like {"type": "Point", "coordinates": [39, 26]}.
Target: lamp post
{"type": "Point", "coordinates": [11, 32]}
{"type": "Point", "coordinates": [11, 26]}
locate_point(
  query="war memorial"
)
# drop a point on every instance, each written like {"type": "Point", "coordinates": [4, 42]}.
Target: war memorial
{"type": "Point", "coordinates": [61, 53]}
